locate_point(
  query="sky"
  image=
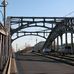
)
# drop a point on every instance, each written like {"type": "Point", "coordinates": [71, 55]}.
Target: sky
{"type": "Point", "coordinates": [47, 8]}
{"type": "Point", "coordinates": [39, 7]}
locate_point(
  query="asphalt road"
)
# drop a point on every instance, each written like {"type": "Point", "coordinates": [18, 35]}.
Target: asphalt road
{"type": "Point", "coordinates": [30, 63]}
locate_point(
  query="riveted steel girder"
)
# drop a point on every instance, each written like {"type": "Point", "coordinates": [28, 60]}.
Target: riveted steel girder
{"type": "Point", "coordinates": [67, 25]}
{"type": "Point", "coordinates": [26, 22]}
{"type": "Point", "coordinates": [62, 25]}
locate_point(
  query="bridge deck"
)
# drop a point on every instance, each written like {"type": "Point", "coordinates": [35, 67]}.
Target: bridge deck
{"type": "Point", "coordinates": [34, 64]}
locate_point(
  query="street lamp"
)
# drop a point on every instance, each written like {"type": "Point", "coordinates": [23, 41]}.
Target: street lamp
{"type": "Point", "coordinates": [4, 4]}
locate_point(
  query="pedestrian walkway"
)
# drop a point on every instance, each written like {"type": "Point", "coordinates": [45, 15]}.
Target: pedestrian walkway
{"type": "Point", "coordinates": [13, 69]}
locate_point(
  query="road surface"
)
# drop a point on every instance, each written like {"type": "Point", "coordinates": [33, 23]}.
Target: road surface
{"type": "Point", "coordinates": [30, 63]}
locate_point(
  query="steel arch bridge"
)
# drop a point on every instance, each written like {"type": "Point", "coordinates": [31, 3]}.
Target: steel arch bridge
{"type": "Point", "coordinates": [65, 26]}
{"type": "Point", "coordinates": [54, 26]}
{"type": "Point", "coordinates": [26, 22]}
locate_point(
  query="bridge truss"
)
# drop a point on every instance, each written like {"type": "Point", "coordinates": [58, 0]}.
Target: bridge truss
{"type": "Point", "coordinates": [54, 26]}
{"type": "Point", "coordinates": [20, 23]}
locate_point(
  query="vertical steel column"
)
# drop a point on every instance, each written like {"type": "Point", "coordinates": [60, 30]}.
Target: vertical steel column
{"type": "Point", "coordinates": [44, 22]}
{"type": "Point", "coordinates": [66, 42]}
{"type": "Point", "coordinates": [44, 34]}
{"type": "Point", "coordinates": [61, 40]}
{"type": "Point", "coordinates": [52, 26]}
{"type": "Point", "coordinates": [72, 51]}
{"type": "Point", "coordinates": [54, 39]}
{"type": "Point", "coordinates": [21, 24]}
{"type": "Point", "coordinates": [57, 43]}
{"type": "Point", "coordinates": [54, 45]}
{"type": "Point", "coordinates": [52, 42]}
{"type": "Point", "coordinates": [66, 38]}
{"type": "Point", "coordinates": [51, 47]}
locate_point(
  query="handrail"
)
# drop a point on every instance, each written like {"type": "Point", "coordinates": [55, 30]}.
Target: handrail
{"type": "Point", "coordinates": [7, 67]}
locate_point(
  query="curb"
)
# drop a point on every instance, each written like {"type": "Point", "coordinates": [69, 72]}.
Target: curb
{"type": "Point", "coordinates": [58, 59]}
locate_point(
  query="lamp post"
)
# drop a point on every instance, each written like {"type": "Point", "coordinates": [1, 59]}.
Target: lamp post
{"type": "Point", "coordinates": [4, 10]}
{"type": "Point", "coordinates": [4, 3]}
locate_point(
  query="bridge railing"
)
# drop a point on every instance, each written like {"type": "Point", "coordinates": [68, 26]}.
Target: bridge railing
{"type": "Point", "coordinates": [5, 50]}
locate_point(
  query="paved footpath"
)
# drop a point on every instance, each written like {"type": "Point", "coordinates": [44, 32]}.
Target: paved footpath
{"type": "Point", "coordinates": [34, 64]}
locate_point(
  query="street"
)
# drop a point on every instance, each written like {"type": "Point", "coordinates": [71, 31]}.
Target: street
{"type": "Point", "coordinates": [30, 63]}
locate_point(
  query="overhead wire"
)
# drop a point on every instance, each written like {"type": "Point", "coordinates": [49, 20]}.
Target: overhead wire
{"type": "Point", "coordinates": [69, 13]}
